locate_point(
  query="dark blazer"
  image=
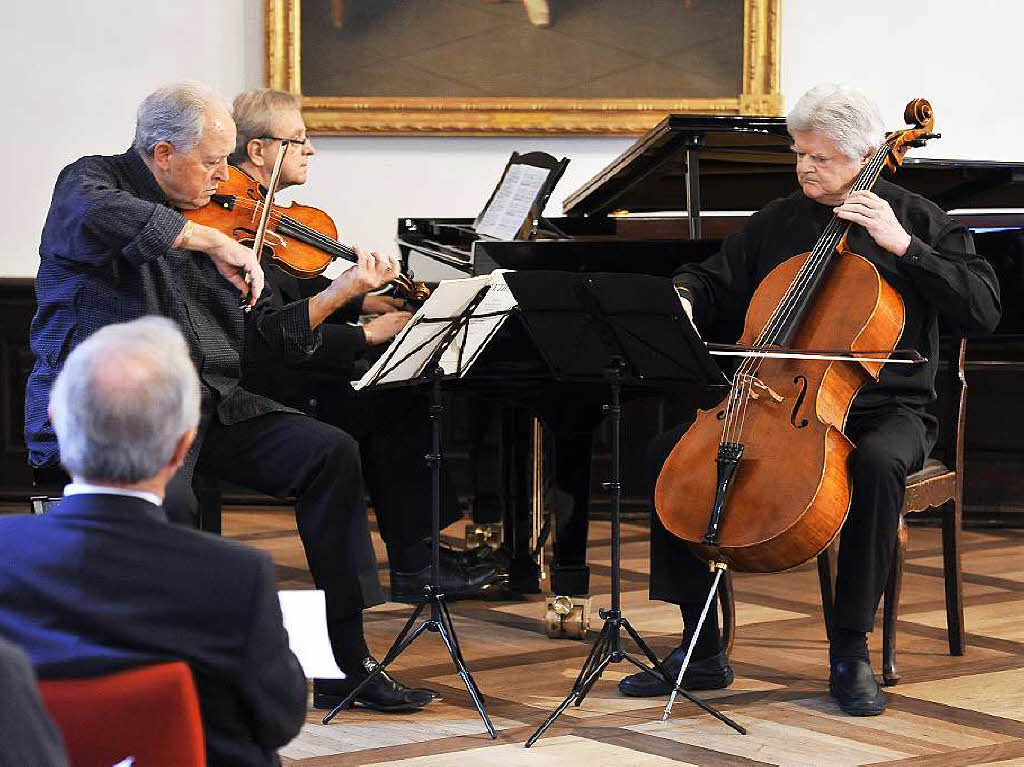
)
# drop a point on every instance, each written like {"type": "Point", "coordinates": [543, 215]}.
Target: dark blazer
{"type": "Point", "coordinates": [104, 582]}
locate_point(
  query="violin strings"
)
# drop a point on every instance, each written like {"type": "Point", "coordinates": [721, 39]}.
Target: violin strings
{"type": "Point", "coordinates": [821, 254]}
{"type": "Point", "coordinates": [319, 239]}
{"type": "Point", "coordinates": [300, 230]}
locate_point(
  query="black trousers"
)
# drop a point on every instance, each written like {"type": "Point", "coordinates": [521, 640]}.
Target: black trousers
{"type": "Point", "coordinates": [890, 443]}
{"type": "Point", "coordinates": [289, 455]}
{"type": "Point", "coordinates": [393, 430]}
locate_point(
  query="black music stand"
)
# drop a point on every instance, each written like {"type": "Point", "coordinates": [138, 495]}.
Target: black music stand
{"type": "Point", "coordinates": [614, 330]}
{"type": "Point", "coordinates": [440, 619]}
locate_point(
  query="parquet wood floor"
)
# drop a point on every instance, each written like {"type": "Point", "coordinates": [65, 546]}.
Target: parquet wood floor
{"type": "Point", "coordinates": [947, 711]}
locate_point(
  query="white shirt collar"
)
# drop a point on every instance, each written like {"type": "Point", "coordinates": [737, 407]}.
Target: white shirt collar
{"type": "Point", "coordinates": [84, 488]}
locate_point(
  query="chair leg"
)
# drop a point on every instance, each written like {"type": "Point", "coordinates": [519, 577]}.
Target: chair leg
{"type": "Point", "coordinates": [727, 599]}
{"type": "Point", "coordinates": [951, 526]}
{"type": "Point", "coordinates": [826, 566]}
{"type": "Point", "coordinates": [891, 611]}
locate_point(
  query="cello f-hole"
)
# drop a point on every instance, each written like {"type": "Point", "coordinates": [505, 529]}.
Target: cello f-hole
{"type": "Point", "coordinates": [799, 401]}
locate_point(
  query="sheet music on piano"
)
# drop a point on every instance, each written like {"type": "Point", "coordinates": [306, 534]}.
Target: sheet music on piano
{"type": "Point", "coordinates": [509, 207]}
{"type": "Point", "coordinates": [410, 351]}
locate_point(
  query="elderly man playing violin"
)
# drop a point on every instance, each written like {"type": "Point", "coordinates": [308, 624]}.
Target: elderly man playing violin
{"type": "Point", "coordinates": [931, 262]}
{"type": "Point", "coordinates": [392, 427]}
{"type": "Point", "coordinates": [114, 247]}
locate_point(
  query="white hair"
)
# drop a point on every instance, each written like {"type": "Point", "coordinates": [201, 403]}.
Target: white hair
{"type": "Point", "coordinates": [123, 400]}
{"type": "Point", "coordinates": [174, 113]}
{"type": "Point", "coordinates": [844, 114]}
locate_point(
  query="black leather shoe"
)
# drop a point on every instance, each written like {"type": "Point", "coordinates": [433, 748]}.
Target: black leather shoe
{"type": "Point", "coordinates": [456, 581]}
{"type": "Point", "coordinates": [712, 673]}
{"type": "Point", "coordinates": [384, 693]}
{"type": "Point", "coordinates": [852, 683]}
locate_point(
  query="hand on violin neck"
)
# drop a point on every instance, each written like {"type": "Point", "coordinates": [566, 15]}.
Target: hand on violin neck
{"type": "Point", "coordinates": [875, 214]}
{"type": "Point", "coordinates": [236, 263]}
{"type": "Point", "coordinates": [370, 272]}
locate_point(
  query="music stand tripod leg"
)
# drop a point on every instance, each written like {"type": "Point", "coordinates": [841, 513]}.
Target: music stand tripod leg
{"type": "Point", "coordinates": [395, 650]}
{"type": "Point", "coordinates": [440, 619]}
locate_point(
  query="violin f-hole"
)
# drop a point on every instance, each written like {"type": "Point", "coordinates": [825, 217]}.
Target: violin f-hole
{"type": "Point", "coordinates": [799, 401]}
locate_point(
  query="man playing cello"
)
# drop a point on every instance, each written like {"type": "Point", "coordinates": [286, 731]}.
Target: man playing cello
{"type": "Point", "coordinates": [931, 262]}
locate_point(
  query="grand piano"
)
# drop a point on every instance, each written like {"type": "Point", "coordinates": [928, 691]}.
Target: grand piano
{"type": "Point", "coordinates": [670, 199]}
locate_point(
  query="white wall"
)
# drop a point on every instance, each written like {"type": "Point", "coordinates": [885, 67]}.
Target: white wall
{"type": "Point", "coordinates": [75, 72]}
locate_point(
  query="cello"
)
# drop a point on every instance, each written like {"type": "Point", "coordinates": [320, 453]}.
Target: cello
{"type": "Point", "coordinates": [760, 483]}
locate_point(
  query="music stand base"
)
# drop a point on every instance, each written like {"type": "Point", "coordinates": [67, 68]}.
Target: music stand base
{"type": "Point", "coordinates": [440, 621]}
{"type": "Point", "coordinates": [607, 650]}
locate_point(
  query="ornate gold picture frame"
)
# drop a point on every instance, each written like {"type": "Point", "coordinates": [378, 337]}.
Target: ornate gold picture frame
{"type": "Point", "coordinates": [518, 115]}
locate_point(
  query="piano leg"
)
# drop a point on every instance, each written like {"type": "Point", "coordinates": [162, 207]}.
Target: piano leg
{"type": "Point", "coordinates": [524, 570]}
{"type": "Point", "coordinates": [570, 574]}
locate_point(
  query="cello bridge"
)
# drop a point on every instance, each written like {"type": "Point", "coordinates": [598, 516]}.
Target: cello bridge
{"type": "Point", "coordinates": [758, 388]}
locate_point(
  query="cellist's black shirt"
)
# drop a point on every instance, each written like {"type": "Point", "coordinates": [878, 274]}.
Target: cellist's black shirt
{"type": "Point", "coordinates": [940, 278]}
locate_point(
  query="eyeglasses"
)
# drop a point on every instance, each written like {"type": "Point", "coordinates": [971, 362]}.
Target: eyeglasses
{"type": "Point", "coordinates": [298, 141]}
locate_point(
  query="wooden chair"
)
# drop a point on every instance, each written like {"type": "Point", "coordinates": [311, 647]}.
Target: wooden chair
{"type": "Point", "coordinates": [150, 713]}
{"type": "Point", "coordinates": [938, 485]}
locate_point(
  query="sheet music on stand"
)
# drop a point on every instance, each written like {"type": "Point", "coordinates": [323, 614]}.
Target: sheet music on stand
{"type": "Point", "coordinates": [431, 328]}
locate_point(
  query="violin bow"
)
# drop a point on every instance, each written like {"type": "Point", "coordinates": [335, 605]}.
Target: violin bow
{"type": "Point", "coordinates": [268, 205]}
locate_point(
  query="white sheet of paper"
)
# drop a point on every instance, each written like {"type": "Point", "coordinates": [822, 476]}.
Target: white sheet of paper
{"type": "Point", "coordinates": [498, 301]}
{"type": "Point", "coordinates": [449, 299]}
{"type": "Point", "coordinates": [510, 205]}
{"type": "Point", "coordinates": [305, 620]}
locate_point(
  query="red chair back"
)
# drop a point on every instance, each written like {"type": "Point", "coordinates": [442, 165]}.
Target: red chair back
{"type": "Point", "coordinates": [149, 713]}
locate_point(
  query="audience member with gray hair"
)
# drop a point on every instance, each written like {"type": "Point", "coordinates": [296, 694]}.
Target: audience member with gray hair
{"type": "Point", "coordinates": [931, 262]}
{"type": "Point", "coordinates": [103, 581]}
{"type": "Point", "coordinates": [116, 247]}
{"type": "Point", "coordinates": [126, 403]}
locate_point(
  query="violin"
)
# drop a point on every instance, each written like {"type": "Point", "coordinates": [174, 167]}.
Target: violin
{"type": "Point", "coordinates": [300, 239]}
{"type": "Point", "coordinates": [760, 482]}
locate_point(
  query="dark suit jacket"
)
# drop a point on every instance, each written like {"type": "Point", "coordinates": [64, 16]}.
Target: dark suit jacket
{"type": "Point", "coordinates": [104, 582]}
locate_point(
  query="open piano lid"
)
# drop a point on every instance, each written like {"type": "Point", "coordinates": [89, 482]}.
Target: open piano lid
{"type": "Point", "coordinates": [745, 162]}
